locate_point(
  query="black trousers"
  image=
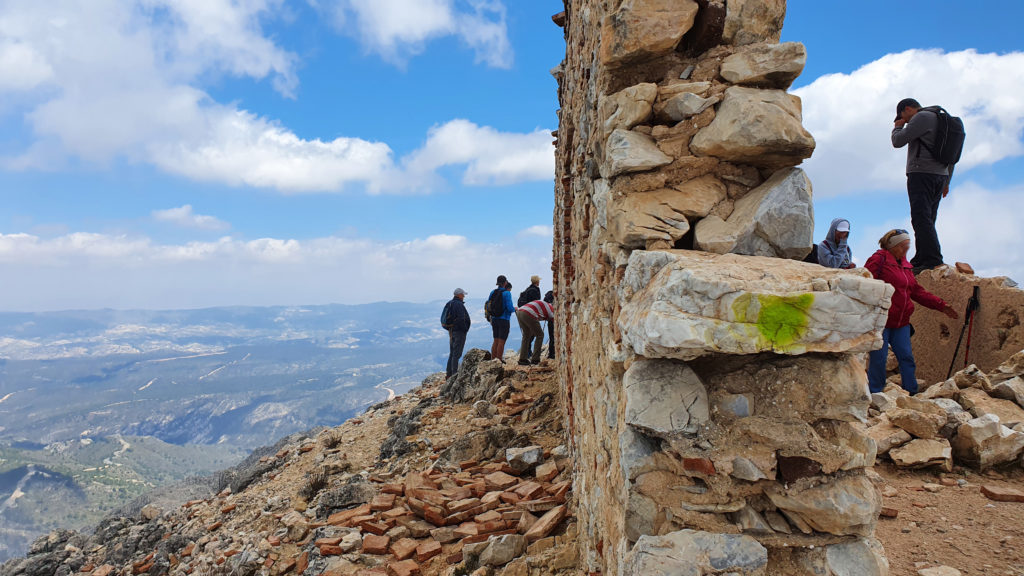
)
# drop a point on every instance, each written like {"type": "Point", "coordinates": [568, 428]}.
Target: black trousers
{"type": "Point", "coordinates": [551, 339]}
{"type": "Point", "coordinates": [925, 192]}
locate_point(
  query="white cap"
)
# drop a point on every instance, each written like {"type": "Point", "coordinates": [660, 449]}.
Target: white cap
{"type": "Point", "coordinates": [843, 226]}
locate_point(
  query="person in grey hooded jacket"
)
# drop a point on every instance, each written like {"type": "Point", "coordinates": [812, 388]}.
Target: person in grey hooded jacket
{"type": "Point", "coordinates": [834, 252]}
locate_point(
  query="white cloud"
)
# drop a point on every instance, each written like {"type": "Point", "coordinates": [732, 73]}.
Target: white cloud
{"type": "Point", "coordinates": [539, 231]}
{"type": "Point", "coordinates": [21, 67]}
{"type": "Point", "coordinates": [185, 217]}
{"type": "Point", "coordinates": [491, 157]}
{"type": "Point", "coordinates": [850, 115]}
{"type": "Point", "coordinates": [399, 29]}
{"type": "Point", "coordinates": [123, 271]}
{"type": "Point", "coordinates": [982, 227]}
{"type": "Point", "coordinates": [117, 79]}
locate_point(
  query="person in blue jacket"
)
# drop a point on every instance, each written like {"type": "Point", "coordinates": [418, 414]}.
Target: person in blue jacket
{"type": "Point", "coordinates": [500, 324]}
{"type": "Point", "coordinates": [834, 252]}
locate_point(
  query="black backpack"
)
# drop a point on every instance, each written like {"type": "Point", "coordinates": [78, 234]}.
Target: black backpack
{"type": "Point", "coordinates": [495, 303]}
{"type": "Point", "coordinates": [949, 137]}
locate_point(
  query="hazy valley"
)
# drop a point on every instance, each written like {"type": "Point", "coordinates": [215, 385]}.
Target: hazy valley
{"type": "Point", "coordinates": [98, 407]}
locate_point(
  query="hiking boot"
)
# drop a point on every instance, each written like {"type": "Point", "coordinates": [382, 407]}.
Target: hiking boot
{"type": "Point", "coordinates": [524, 362]}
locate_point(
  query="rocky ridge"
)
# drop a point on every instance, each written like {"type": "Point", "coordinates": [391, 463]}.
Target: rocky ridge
{"type": "Point", "coordinates": [459, 477]}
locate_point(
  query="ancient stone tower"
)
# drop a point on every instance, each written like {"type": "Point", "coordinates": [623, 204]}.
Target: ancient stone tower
{"type": "Point", "coordinates": [714, 383]}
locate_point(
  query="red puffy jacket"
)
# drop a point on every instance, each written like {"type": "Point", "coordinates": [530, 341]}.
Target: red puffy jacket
{"type": "Point", "coordinates": [900, 275]}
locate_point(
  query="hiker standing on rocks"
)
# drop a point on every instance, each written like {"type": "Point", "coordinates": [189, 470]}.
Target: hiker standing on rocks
{"type": "Point", "coordinates": [530, 316]}
{"type": "Point", "coordinates": [455, 319]}
{"type": "Point", "coordinates": [499, 311]}
{"type": "Point", "coordinates": [834, 252]}
{"type": "Point", "coordinates": [927, 178]}
{"type": "Point", "coordinates": [890, 265]}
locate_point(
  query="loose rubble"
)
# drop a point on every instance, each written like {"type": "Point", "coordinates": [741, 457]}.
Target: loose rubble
{"type": "Point", "coordinates": [955, 422]}
{"type": "Point", "coordinates": [355, 500]}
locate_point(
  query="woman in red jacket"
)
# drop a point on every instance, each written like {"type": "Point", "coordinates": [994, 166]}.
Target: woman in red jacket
{"type": "Point", "coordinates": [890, 265]}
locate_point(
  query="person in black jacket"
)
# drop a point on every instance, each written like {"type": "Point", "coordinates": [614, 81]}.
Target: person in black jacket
{"type": "Point", "coordinates": [458, 323]}
{"type": "Point", "coordinates": [531, 293]}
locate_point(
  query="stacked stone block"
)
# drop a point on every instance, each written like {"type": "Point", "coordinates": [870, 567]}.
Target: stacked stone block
{"type": "Point", "coordinates": [715, 384]}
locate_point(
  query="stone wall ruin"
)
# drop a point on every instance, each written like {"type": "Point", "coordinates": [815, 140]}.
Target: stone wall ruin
{"type": "Point", "coordinates": [714, 384]}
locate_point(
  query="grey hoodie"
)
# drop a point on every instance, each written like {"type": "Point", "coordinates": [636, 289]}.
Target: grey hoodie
{"type": "Point", "coordinates": [921, 128]}
{"type": "Point", "coordinates": [833, 253]}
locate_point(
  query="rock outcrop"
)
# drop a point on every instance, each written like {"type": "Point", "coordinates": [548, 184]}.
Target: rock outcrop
{"type": "Point", "coordinates": [712, 382]}
{"type": "Point", "coordinates": [997, 333]}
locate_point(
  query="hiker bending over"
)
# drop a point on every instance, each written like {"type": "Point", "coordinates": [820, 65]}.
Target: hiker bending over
{"type": "Point", "coordinates": [889, 264]}
{"type": "Point", "coordinates": [530, 316]}
{"type": "Point", "coordinates": [834, 252]}
{"type": "Point", "coordinates": [455, 319]}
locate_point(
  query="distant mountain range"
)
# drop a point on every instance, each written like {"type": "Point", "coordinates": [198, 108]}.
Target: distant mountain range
{"type": "Point", "coordinates": [99, 406]}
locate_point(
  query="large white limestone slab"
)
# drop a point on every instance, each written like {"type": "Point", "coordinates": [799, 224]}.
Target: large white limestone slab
{"type": "Point", "coordinates": [684, 304]}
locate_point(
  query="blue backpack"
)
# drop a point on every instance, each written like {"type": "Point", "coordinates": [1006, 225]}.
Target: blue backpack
{"type": "Point", "coordinates": [445, 320]}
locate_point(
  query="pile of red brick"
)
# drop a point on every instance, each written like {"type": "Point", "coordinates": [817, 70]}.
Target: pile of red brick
{"type": "Point", "coordinates": [443, 512]}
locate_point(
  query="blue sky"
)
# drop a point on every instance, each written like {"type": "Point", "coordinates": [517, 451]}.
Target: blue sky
{"type": "Point", "coordinates": [186, 153]}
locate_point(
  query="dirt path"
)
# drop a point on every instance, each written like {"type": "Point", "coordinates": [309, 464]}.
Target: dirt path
{"type": "Point", "coordinates": [956, 526]}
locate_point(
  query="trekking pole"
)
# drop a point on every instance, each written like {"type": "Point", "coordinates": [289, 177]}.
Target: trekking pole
{"type": "Point", "coordinates": [972, 305]}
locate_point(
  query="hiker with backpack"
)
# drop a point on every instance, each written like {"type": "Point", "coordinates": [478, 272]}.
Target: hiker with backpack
{"type": "Point", "coordinates": [531, 293]}
{"type": "Point", "coordinates": [834, 251]}
{"type": "Point", "coordinates": [498, 310]}
{"type": "Point", "coordinates": [935, 140]}
{"type": "Point", "coordinates": [889, 264]}
{"type": "Point", "coordinates": [455, 319]}
{"type": "Point", "coordinates": [530, 315]}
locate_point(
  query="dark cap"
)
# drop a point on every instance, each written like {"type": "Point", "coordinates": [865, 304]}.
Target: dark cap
{"type": "Point", "coordinates": [501, 280]}
{"type": "Point", "coordinates": [903, 104]}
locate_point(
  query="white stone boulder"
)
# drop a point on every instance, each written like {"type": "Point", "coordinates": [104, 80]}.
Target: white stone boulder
{"type": "Point", "coordinates": [523, 459]}
{"type": "Point", "coordinates": [944, 389]}
{"type": "Point", "coordinates": [693, 553]}
{"type": "Point", "coordinates": [918, 424]}
{"type": "Point", "coordinates": [682, 106]}
{"type": "Point", "coordinates": [665, 398]}
{"type": "Point", "coordinates": [1012, 389]}
{"type": "Point", "coordinates": [628, 107]}
{"type": "Point", "coordinates": [985, 442]}
{"type": "Point", "coordinates": [628, 151]}
{"type": "Point", "coordinates": [887, 436]}
{"type": "Point", "coordinates": [978, 403]}
{"type": "Point", "coordinates": [973, 377]}
{"type": "Point", "coordinates": [774, 219]}
{"type": "Point", "coordinates": [758, 127]}
{"type": "Point", "coordinates": [503, 549]}
{"type": "Point", "coordinates": [644, 29]}
{"type": "Point", "coordinates": [749, 21]}
{"type": "Point", "coordinates": [923, 453]}
{"type": "Point", "coordinates": [860, 557]}
{"type": "Point", "coordinates": [842, 506]}
{"type": "Point", "coordinates": [766, 65]}
{"type": "Point", "coordinates": [685, 304]}
{"type": "Point", "coordinates": [1012, 367]}
{"type": "Point", "coordinates": [636, 219]}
